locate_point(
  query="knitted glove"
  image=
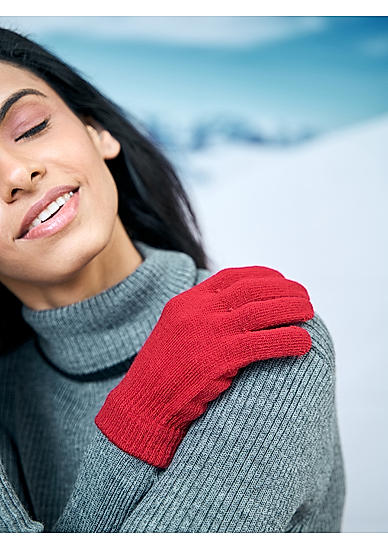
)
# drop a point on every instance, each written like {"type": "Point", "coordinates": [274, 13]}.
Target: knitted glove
{"type": "Point", "coordinates": [202, 338]}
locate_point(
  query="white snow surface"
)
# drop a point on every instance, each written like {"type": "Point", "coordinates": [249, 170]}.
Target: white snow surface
{"type": "Point", "coordinates": [317, 213]}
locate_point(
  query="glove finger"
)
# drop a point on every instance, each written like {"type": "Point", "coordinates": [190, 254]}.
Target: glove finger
{"type": "Point", "coordinates": [256, 316]}
{"type": "Point", "coordinates": [225, 277]}
{"type": "Point", "coordinates": [242, 349]}
{"type": "Point", "coordinates": [255, 289]}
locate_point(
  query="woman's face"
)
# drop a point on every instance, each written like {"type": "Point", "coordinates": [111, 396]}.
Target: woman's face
{"type": "Point", "coordinates": [61, 150]}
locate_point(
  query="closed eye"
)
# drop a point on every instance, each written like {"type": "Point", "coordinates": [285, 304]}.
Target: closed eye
{"type": "Point", "coordinates": [35, 130]}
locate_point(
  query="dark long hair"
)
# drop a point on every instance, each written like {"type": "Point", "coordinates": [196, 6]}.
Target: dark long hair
{"type": "Point", "coordinates": [153, 205]}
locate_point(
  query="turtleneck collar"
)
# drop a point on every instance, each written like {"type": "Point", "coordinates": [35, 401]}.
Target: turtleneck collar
{"type": "Point", "coordinates": [105, 329]}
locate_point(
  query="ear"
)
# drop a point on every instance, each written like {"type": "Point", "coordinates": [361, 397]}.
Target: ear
{"type": "Point", "coordinates": [108, 146]}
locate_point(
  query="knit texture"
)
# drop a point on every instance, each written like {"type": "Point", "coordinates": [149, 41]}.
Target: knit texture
{"type": "Point", "coordinates": [265, 456]}
{"type": "Point", "coordinates": [203, 337]}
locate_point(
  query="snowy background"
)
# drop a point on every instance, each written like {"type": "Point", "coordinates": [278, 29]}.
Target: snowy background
{"type": "Point", "coordinates": [318, 214]}
{"type": "Point", "coordinates": [278, 128]}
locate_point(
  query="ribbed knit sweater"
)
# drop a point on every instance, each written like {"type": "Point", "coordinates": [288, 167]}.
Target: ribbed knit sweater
{"type": "Point", "coordinates": [265, 456]}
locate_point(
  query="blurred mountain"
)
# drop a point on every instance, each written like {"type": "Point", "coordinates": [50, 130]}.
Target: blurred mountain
{"type": "Point", "coordinates": [217, 129]}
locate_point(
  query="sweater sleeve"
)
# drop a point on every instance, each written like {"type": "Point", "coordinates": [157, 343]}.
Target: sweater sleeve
{"type": "Point", "coordinates": [264, 457]}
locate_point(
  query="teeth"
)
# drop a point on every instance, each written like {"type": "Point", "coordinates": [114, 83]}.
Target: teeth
{"type": "Point", "coordinates": [51, 209]}
{"type": "Point", "coordinates": [61, 201]}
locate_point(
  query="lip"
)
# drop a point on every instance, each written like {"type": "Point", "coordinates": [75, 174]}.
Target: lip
{"type": "Point", "coordinates": [41, 204]}
{"type": "Point", "coordinates": [61, 220]}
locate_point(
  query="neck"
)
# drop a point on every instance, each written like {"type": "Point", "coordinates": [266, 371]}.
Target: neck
{"type": "Point", "coordinates": [95, 277]}
{"type": "Point", "coordinates": [91, 335]}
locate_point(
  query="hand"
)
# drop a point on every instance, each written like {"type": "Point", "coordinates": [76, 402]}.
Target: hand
{"type": "Point", "coordinates": [203, 337]}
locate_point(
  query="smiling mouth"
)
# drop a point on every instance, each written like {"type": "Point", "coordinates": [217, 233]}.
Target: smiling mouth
{"type": "Point", "coordinates": [55, 221]}
{"type": "Point", "coordinates": [42, 222]}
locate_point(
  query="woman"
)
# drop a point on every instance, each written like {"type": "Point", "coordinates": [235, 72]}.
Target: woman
{"type": "Point", "coordinates": [118, 344]}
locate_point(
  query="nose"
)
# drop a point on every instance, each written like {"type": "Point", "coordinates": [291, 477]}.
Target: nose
{"type": "Point", "coordinates": [17, 175]}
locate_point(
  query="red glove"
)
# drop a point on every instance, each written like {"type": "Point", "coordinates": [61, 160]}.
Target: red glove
{"type": "Point", "coordinates": [203, 337]}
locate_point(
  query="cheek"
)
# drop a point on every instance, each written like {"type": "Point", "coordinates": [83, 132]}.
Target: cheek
{"type": "Point", "coordinates": [98, 197]}
{"type": "Point", "coordinates": [101, 191]}
{"type": "Point", "coordinates": [70, 153]}
{"type": "Point", "coordinates": [81, 161]}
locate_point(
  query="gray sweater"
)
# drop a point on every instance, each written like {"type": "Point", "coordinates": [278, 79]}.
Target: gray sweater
{"type": "Point", "coordinates": [265, 456]}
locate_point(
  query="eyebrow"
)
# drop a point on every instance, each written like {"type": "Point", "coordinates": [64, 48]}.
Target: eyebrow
{"type": "Point", "coordinates": [13, 98]}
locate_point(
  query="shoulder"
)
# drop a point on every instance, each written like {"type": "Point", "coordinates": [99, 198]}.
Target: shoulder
{"type": "Point", "coordinates": [322, 341]}
{"type": "Point", "coordinates": [313, 372]}
{"type": "Point", "coordinates": [297, 392]}
{"type": "Point", "coordinates": [278, 417]}
{"type": "Point", "coordinates": [298, 382]}
{"type": "Point", "coordinates": [287, 405]}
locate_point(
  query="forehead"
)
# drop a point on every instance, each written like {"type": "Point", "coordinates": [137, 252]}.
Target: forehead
{"type": "Point", "coordinates": [14, 78]}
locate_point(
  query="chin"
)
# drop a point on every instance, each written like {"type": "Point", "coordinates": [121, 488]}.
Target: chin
{"type": "Point", "coordinates": [72, 258]}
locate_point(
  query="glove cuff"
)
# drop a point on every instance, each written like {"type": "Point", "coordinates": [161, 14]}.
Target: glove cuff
{"type": "Point", "coordinates": [141, 438]}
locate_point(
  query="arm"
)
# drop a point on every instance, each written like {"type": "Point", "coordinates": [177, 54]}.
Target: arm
{"type": "Point", "coordinates": [260, 459]}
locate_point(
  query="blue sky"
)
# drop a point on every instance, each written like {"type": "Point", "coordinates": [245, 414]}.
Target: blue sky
{"type": "Point", "coordinates": [283, 72]}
